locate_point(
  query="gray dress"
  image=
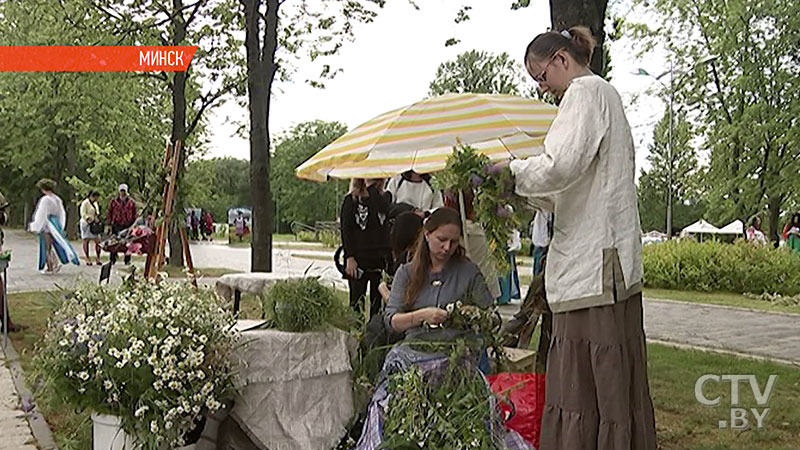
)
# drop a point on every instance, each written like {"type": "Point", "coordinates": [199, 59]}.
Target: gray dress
{"type": "Point", "coordinates": [459, 279]}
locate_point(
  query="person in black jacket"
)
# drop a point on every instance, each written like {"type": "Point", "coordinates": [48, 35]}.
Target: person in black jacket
{"type": "Point", "coordinates": [365, 238]}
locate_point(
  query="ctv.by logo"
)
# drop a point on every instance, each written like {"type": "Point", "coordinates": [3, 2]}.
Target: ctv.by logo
{"type": "Point", "coordinates": [739, 416]}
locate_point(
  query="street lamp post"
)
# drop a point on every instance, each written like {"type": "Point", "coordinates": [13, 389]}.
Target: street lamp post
{"type": "Point", "coordinates": [670, 152]}
{"type": "Point", "coordinates": [671, 90]}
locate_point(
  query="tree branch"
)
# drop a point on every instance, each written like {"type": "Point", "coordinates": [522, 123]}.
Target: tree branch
{"type": "Point", "coordinates": [207, 101]}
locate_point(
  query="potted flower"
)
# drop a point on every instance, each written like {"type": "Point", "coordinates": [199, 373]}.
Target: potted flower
{"type": "Point", "coordinates": [153, 356]}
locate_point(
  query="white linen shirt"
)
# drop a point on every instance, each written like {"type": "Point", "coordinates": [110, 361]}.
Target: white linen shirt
{"type": "Point", "coordinates": [588, 169]}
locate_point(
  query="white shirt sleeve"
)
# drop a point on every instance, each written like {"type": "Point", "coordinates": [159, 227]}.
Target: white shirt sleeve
{"type": "Point", "coordinates": [570, 147]}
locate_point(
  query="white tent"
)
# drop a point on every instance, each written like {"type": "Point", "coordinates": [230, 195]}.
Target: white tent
{"type": "Point", "coordinates": [735, 227]}
{"type": "Point", "coordinates": [700, 227]}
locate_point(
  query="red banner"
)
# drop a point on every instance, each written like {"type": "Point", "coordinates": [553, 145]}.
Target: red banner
{"type": "Point", "coordinates": [94, 58]}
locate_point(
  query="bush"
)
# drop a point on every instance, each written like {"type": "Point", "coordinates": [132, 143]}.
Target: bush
{"type": "Point", "coordinates": [330, 238]}
{"type": "Point", "coordinates": [306, 236]}
{"type": "Point", "coordinates": [714, 266]}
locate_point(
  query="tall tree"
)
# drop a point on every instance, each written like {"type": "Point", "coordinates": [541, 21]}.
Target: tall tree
{"type": "Point", "coordinates": [565, 14]}
{"type": "Point", "coordinates": [745, 93]}
{"type": "Point", "coordinates": [218, 184]}
{"type": "Point", "coordinates": [302, 200]}
{"type": "Point", "coordinates": [687, 206]}
{"type": "Point", "coordinates": [478, 72]}
{"type": "Point", "coordinates": [53, 117]}
{"type": "Point", "coordinates": [216, 70]}
{"type": "Point", "coordinates": [274, 34]}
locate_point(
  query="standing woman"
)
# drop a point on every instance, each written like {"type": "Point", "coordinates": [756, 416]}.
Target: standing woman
{"type": "Point", "coordinates": [791, 233]}
{"type": "Point", "coordinates": [597, 389]}
{"type": "Point", "coordinates": [91, 225]}
{"type": "Point", "coordinates": [365, 238]}
{"type": "Point", "coordinates": [48, 221]}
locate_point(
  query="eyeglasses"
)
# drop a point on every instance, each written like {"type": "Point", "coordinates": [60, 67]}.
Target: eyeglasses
{"type": "Point", "coordinates": [542, 77]}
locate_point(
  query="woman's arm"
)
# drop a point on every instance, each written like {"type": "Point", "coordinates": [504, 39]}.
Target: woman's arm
{"type": "Point", "coordinates": [348, 226]}
{"type": "Point", "coordinates": [570, 147]}
{"type": "Point", "coordinates": [397, 315]}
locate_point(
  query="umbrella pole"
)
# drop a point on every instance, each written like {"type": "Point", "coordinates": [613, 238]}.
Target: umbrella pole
{"type": "Point", "coordinates": [463, 219]}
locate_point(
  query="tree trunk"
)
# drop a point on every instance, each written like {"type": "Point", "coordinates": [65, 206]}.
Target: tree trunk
{"type": "Point", "coordinates": [70, 199]}
{"type": "Point", "coordinates": [774, 212]}
{"type": "Point", "coordinates": [260, 75]}
{"type": "Point", "coordinates": [178, 134]}
{"type": "Point", "coordinates": [590, 13]}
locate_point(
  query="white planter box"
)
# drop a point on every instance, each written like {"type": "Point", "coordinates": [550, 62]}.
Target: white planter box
{"type": "Point", "coordinates": [107, 434]}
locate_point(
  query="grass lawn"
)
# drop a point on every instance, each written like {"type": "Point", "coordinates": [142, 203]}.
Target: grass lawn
{"type": "Point", "coordinates": [710, 298]}
{"type": "Point", "coordinates": [314, 256]}
{"type": "Point", "coordinates": [682, 422]}
{"type": "Point", "coordinates": [719, 298]}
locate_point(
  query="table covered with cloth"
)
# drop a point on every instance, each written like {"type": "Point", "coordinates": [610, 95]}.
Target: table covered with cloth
{"type": "Point", "coordinates": [294, 390]}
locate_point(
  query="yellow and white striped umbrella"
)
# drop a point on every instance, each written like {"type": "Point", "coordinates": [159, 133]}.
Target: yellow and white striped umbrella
{"type": "Point", "coordinates": [421, 136]}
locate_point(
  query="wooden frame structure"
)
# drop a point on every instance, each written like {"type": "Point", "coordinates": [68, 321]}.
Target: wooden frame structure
{"type": "Point", "coordinates": [156, 258]}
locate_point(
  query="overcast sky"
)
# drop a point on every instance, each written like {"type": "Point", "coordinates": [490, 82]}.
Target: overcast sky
{"type": "Point", "coordinates": [393, 60]}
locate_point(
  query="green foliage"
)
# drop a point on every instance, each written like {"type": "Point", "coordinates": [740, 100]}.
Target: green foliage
{"type": "Point", "coordinates": [687, 204]}
{"type": "Point", "coordinates": [330, 238]}
{"type": "Point", "coordinates": [714, 266]}
{"type": "Point", "coordinates": [495, 202]}
{"type": "Point", "coordinates": [301, 200]}
{"type": "Point", "coordinates": [218, 184]}
{"type": "Point", "coordinates": [455, 411]}
{"type": "Point", "coordinates": [305, 304]}
{"type": "Point", "coordinates": [745, 98]}
{"type": "Point", "coordinates": [83, 129]}
{"type": "Point", "coordinates": [479, 72]}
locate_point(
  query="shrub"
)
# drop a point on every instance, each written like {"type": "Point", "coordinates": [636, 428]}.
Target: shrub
{"type": "Point", "coordinates": [330, 238]}
{"type": "Point", "coordinates": [714, 266]}
{"type": "Point", "coordinates": [306, 236]}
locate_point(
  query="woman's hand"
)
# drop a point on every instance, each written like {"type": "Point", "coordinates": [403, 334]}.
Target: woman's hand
{"type": "Point", "coordinates": [431, 315]}
{"type": "Point", "coordinates": [351, 269]}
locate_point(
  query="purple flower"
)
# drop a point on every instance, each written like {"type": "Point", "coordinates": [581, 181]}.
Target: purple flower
{"type": "Point", "coordinates": [492, 169]}
{"type": "Point", "coordinates": [475, 180]}
{"type": "Point", "coordinates": [503, 212]}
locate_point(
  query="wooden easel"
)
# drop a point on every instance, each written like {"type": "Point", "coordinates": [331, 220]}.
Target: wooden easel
{"type": "Point", "coordinates": [156, 258]}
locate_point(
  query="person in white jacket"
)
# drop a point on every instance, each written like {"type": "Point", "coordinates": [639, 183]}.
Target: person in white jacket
{"type": "Point", "coordinates": [415, 190]}
{"type": "Point", "coordinates": [597, 389]}
{"type": "Point", "coordinates": [49, 219]}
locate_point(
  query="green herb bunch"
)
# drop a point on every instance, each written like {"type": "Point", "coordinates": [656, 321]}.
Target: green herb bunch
{"type": "Point", "coordinates": [305, 304]}
{"type": "Point", "coordinates": [454, 411]}
{"type": "Point", "coordinates": [495, 203]}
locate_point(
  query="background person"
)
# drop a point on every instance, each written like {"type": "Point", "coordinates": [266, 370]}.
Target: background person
{"type": "Point", "coordinates": [91, 225]}
{"type": "Point", "coordinates": [365, 239]}
{"type": "Point", "coordinates": [121, 215]}
{"type": "Point", "coordinates": [414, 189]}
{"type": "Point", "coordinates": [598, 394]}
{"type": "Point", "coordinates": [49, 219]}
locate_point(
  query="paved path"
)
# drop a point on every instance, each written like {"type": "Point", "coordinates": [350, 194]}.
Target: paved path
{"type": "Point", "coordinates": [15, 434]}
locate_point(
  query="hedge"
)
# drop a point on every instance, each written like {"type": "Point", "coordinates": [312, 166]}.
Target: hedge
{"type": "Point", "coordinates": [715, 266]}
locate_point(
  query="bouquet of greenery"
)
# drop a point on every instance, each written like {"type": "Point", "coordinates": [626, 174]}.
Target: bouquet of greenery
{"type": "Point", "coordinates": [456, 410]}
{"type": "Point", "coordinates": [495, 203]}
{"type": "Point", "coordinates": [305, 304]}
{"type": "Point", "coordinates": [155, 355]}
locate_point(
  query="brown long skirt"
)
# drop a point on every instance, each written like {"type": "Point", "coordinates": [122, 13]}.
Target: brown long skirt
{"type": "Point", "coordinates": [597, 394]}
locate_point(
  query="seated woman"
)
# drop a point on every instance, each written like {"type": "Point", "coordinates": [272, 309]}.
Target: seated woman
{"type": "Point", "coordinates": [438, 275]}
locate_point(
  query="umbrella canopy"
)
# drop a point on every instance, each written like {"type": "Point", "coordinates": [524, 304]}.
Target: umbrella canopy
{"type": "Point", "coordinates": [420, 136]}
{"type": "Point", "coordinates": [700, 227]}
{"type": "Point", "coordinates": [735, 227]}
